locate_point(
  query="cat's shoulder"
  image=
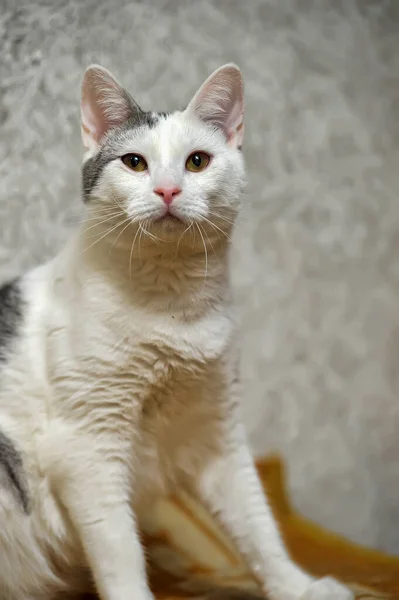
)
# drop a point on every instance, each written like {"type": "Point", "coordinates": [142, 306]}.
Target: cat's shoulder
{"type": "Point", "coordinates": [11, 312]}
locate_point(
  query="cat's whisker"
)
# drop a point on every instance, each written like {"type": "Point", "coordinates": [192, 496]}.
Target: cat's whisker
{"type": "Point", "coordinates": [98, 217]}
{"type": "Point", "coordinates": [131, 253]}
{"type": "Point", "coordinates": [88, 221]}
{"type": "Point", "coordinates": [217, 228]}
{"type": "Point", "coordinates": [97, 233]}
{"type": "Point", "coordinates": [194, 236]}
{"type": "Point", "coordinates": [115, 199]}
{"type": "Point", "coordinates": [92, 211]}
{"type": "Point", "coordinates": [221, 217]}
{"type": "Point", "coordinates": [99, 223]}
{"type": "Point", "coordinates": [101, 238]}
{"type": "Point", "coordinates": [207, 237]}
{"type": "Point", "coordinates": [103, 214]}
{"type": "Point", "coordinates": [149, 234]}
{"type": "Point", "coordinates": [128, 221]}
{"type": "Point", "coordinates": [140, 236]}
{"type": "Point", "coordinates": [206, 252]}
{"type": "Point", "coordinates": [103, 208]}
{"type": "Point", "coordinates": [182, 235]}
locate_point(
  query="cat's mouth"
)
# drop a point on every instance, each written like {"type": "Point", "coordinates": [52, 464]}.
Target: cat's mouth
{"type": "Point", "coordinates": [169, 218]}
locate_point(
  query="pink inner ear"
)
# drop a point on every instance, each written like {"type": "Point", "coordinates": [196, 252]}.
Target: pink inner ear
{"type": "Point", "coordinates": [234, 120]}
{"type": "Point", "coordinates": [104, 105]}
{"type": "Point", "coordinates": [93, 122]}
{"type": "Point", "coordinates": [220, 101]}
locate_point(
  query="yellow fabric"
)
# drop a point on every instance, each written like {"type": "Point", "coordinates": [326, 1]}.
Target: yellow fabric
{"type": "Point", "coordinates": [190, 557]}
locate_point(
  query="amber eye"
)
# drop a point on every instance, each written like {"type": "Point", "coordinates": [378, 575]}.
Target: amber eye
{"type": "Point", "coordinates": [135, 162]}
{"type": "Point", "coordinates": [197, 161]}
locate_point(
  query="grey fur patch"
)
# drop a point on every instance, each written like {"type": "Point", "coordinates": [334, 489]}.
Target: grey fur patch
{"type": "Point", "coordinates": [12, 467]}
{"type": "Point", "coordinates": [10, 314]}
{"type": "Point", "coordinates": [160, 115]}
{"type": "Point", "coordinates": [108, 152]}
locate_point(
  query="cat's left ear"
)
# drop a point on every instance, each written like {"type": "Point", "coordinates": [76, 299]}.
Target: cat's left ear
{"type": "Point", "coordinates": [220, 102]}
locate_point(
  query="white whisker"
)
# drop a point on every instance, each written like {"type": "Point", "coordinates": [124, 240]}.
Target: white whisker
{"type": "Point", "coordinates": [131, 253]}
{"type": "Point", "coordinates": [207, 237]}
{"type": "Point", "coordinates": [92, 211]}
{"type": "Point", "coordinates": [206, 252]}
{"type": "Point", "coordinates": [115, 199]}
{"type": "Point", "coordinates": [102, 237]}
{"type": "Point", "coordinates": [217, 228]}
{"type": "Point", "coordinates": [141, 233]}
{"type": "Point", "coordinates": [109, 218]}
{"type": "Point", "coordinates": [128, 220]}
{"type": "Point", "coordinates": [221, 217]}
{"type": "Point", "coordinates": [102, 214]}
{"type": "Point", "coordinates": [149, 234]}
{"type": "Point", "coordinates": [181, 237]}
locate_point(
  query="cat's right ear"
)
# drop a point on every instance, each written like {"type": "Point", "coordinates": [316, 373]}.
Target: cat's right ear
{"type": "Point", "coordinates": [105, 104]}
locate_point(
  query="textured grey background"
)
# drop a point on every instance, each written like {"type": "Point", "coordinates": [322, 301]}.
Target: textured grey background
{"type": "Point", "coordinates": [316, 263]}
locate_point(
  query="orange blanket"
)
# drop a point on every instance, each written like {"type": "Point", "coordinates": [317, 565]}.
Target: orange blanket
{"type": "Point", "coordinates": [190, 557]}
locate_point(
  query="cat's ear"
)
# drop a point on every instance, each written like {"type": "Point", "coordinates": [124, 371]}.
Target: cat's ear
{"type": "Point", "coordinates": [220, 102]}
{"type": "Point", "coordinates": [104, 104]}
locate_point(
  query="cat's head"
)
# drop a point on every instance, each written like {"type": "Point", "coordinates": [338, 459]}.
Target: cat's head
{"type": "Point", "coordinates": [166, 173]}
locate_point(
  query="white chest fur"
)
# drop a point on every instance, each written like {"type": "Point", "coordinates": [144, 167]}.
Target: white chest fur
{"type": "Point", "coordinates": [149, 377]}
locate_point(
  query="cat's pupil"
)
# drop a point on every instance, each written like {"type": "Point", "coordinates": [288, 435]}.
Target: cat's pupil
{"type": "Point", "coordinates": [197, 160]}
{"type": "Point", "coordinates": [135, 160]}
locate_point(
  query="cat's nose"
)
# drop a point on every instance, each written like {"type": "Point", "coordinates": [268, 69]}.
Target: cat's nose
{"type": "Point", "coordinates": [167, 194]}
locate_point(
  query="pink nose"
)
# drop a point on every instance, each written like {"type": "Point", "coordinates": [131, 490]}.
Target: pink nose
{"type": "Point", "coordinates": [167, 194]}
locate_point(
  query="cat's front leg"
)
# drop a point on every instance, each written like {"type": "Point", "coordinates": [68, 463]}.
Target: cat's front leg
{"type": "Point", "coordinates": [230, 487]}
{"type": "Point", "coordinates": [94, 488]}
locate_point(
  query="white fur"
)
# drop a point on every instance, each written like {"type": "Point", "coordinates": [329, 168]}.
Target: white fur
{"type": "Point", "coordinates": [123, 382]}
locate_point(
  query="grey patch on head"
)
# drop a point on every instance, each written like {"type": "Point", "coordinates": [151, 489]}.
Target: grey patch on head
{"type": "Point", "coordinates": [91, 171]}
{"type": "Point", "coordinates": [93, 167]}
{"type": "Point", "coordinates": [12, 467]}
{"type": "Point", "coordinates": [10, 314]}
{"type": "Point", "coordinates": [157, 116]}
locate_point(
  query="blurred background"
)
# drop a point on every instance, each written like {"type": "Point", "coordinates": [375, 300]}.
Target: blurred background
{"type": "Point", "coordinates": [316, 254]}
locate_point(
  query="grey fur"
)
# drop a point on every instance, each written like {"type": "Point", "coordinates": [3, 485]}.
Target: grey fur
{"type": "Point", "coordinates": [12, 466]}
{"type": "Point", "coordinates": [109, 149]}
{"type": "Point", "coordinates": [10, 314]}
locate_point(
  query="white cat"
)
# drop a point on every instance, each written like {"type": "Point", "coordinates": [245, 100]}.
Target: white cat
{"type": "Point", "coordinates": [118, 380]}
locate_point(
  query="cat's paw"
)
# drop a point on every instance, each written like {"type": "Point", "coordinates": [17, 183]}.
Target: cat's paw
{"type": "Point", "coordinates": [327, 588]}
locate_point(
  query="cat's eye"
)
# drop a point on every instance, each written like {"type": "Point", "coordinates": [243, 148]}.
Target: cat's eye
{"type": "Point", "coordinates": [135, 162]}
{"type": "Point", "coordinates": [197, 161]}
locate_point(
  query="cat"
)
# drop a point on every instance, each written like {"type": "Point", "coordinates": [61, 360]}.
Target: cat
{"type": "Point", "coordinates": [119, 375]}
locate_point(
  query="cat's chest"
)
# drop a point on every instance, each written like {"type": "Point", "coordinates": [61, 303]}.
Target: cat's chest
{"type": "Point", "coordinates": [178, 421]}
{"type": "Point", "coordinates": [169, 378]}
{"type": "Point", "coordinates": [153, 381]}
{"type": "Point", "coordinates": [161, 352]}
{"type": "Point", "coordinates": [176, 373]}
{"type": "Point", "coordinates": [172, 339]}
